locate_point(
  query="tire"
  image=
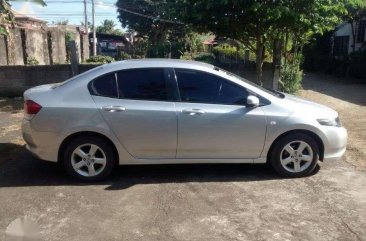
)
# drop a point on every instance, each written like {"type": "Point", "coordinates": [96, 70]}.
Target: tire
{"type": "Point", "coordinates": [80, 162]}
{"type": "Point", "coordinates": [294, 155]}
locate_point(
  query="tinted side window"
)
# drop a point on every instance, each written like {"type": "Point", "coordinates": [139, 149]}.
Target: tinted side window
{"type": "Point", "coordinates": [105, 86]}
{"type": "Point", "coordinates": [142, 84]}
{"type": "Point", "coordinates": [195, 86]}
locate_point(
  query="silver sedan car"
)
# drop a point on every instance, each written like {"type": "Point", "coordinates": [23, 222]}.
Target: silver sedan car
{"type": "Point", "coordinates": [173, 111]}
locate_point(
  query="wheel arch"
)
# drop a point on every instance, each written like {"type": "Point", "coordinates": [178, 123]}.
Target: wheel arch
{"type": "Point", "coordinates": [317, 139]}
{"type": "Point", "coordinates": [68, 139]}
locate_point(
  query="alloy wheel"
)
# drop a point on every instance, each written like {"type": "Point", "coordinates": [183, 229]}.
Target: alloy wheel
{"type": "Point", "coordinates": [88, 160]}
{"type": "Point", "coordinates": [296, 156]}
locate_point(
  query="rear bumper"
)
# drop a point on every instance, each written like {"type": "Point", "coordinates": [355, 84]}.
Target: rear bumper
{"type": "Point", "coordinates": [44, 145]}
{"type": "Point", "coordinates": [336, 143]}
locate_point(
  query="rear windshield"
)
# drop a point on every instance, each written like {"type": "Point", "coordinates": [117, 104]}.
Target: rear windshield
{"type": "Point", "coordinates": [75, 77]}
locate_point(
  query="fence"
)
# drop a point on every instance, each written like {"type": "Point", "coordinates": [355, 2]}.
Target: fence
{"type": "Point", "coordinates": [14, 80]}
{"type": "Point", "coordinates": [44, 46]}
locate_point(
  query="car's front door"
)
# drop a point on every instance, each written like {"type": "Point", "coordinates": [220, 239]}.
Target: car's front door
{"type": "Point", "coordinates": [213, 121]}
{"type": "Point", "coordinates": [140, 112]}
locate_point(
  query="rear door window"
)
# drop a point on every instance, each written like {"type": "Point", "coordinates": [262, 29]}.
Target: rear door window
{"type": "Point", "coordinates": [143, 84]}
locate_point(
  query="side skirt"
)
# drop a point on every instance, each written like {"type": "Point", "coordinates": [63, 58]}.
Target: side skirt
{"type": "Point", "coordinates": [191, 161]}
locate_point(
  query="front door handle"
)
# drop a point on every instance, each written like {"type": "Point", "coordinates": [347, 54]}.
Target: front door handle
{"type": "Point", "coordinates": [193, 111]}
{"type": "Point", "coordinates": [113, 108]}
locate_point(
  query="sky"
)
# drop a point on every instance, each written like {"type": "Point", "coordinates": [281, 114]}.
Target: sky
{"type": "Point", "coordinates": [72, 10]}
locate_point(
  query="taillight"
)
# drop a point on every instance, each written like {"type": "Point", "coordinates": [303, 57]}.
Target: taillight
{"type": "Point", "coordinates": [31, 107]}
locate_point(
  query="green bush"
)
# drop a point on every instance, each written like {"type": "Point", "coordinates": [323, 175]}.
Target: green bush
{"type": "Point", "coordinates": [205, 57]}
{"type": "Point", "coordinates": [229, 51]}
{"type": "Point", "coordinates": [291, 77]}
{"type": "Point", "coordinates": [122, 56]}
{"type": "Point", "coordinates": [32, 61]}
{"type": "Point", "coordinates": [186, 56]}
{"type": "Point", "coordinates": [357, 65]}
{"type": "Point", "coordinates": [202, 57]}
{"type": "Point", "coordinates": [100, 59]}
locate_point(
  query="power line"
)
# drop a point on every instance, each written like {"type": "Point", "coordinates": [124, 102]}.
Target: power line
{"type": "Point", "coordinates": [99, 14]}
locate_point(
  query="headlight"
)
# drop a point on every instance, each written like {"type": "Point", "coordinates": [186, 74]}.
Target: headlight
{"type": "Point", "coordinates": [330, 122]}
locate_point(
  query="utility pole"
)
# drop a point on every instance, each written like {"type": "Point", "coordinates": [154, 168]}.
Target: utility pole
{"type": "Point", "coordinates": [86, 19]}
{"type": "Point", "coordinates": [94, 33]}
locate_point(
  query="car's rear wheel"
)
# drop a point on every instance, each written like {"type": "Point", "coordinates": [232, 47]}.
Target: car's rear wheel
{"type": "Point", "coordinates": [295, 155]}
{"type": "Point", "coordinates": [89, 158]}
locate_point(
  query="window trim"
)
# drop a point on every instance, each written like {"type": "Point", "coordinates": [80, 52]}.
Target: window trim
{"type": "Point", "coordinates": [167, 78]}
{"type": "Point", "coordinates": [263, 101]}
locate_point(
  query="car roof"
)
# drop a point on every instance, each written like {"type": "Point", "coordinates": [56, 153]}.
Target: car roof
{"type": "Point", "coordinates": [151, 63]}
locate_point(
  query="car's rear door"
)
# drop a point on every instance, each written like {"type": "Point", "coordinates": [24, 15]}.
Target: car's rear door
{"type": "Point", "coordinates": [140, 112]}
{"type": "Point", "coordinates": [213, 121]}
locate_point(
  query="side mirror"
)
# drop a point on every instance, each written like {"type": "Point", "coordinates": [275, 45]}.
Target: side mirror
{"type": "Point", "coordinates": [252, 101]}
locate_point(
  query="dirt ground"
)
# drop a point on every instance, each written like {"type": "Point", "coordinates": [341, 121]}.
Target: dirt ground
{"type": "Point", "coordinates": [193, 202]}
{"type": "Point", "coordinates": [350, 102]}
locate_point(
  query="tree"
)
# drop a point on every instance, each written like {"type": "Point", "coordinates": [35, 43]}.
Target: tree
{"type": "Point", "coordinates": [108, 27]}
{"type": "Point", "coordinates": [61, 22]}
{"type": "Point", "coordinates": [257, 22]}
{"type": "Point", "coordinates": [156, 22]}
{"type": "Point", "coordinates": [355, 13]}
{"type": "Point", "coordinates": [144, 17]}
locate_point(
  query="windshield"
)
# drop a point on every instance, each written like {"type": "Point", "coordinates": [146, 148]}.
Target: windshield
{"type": "Point", "coordinates": [267, 90]}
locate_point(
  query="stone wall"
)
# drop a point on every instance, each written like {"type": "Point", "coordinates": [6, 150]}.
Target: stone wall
{"type": "Point", "coordinates": [47, 46]}
{"type": "Point", "coordinates": [56, 39]}
{"type": "Point", "coordinates": [14, 80]}
{"type": "Point", "coordinates": [36, 46]}
{"type": "Point", "coordinates": [84, 46]}
{"type": "Point", "coordinates": [14, 49]}
{"type": "Point", "coordinates": [3, 51]}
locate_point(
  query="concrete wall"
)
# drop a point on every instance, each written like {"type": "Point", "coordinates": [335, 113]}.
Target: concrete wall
{"type": "Point", "coordinates": [58, 46]}
{"type": "Point", "coordinates": [76, 37]}
{"type": "Point", "coordinates": [84, 46]}
{"type": "Point", "coordinates": [14, 80]}
{"type": "Point", "coordinates": [36, 46]}
{"type": "Point", "coordinates": [15, 48]}
{"type": "Point", "coordinates": [47, 46]}
{"type": "Point", "coordinates": [3, 52]}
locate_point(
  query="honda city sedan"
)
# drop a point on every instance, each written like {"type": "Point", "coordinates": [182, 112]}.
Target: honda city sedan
{"type": "Point", "coordinates": [156, 111]}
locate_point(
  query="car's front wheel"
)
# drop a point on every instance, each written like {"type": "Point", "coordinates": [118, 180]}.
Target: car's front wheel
{"type": "Point", "coordinates": [295, 155]}
{"type": "Point", "coordinates": [89, 158]}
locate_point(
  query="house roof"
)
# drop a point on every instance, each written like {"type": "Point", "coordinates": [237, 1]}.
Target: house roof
{"type": "Point", "coordinates": [23, 17]}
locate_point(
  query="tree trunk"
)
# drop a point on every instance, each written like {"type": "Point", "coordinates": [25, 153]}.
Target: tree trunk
{"type": "Point", "coordinates": [285, 47]}
{"type": "Point", "coordinates": [259, 60]}
{"type": "Point", "coordinates": [277, 53]}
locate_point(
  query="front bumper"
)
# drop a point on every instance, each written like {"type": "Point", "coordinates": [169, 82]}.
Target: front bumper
{"type": "Point", "coordinates": [44, 145]}
{"type": "Point", "coordinates": [335, 143]}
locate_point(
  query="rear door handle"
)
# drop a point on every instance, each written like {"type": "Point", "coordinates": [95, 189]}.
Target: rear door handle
{"type": "Point", "coordinates": [193, 111]}
{"type": "Point", "coordinates": [113, 108]}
